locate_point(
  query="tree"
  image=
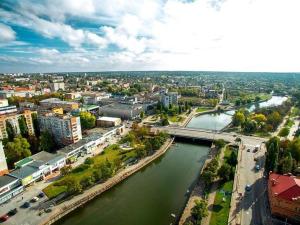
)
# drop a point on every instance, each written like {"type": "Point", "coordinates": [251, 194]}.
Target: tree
{"type": "Point", "coordinates": [259, 118]}
{"type": "Point", "coordinates": [10, 131]}
{"type": "Point", "coordinates": [199, 211]}
{"type": "Point", "coordinates": [73, 185]}
{"type": "Point", "coordinates": [274, 119]}
{"type": "Point", "coordinates": [16, 150]}
{"type": "Point", "coordinates": [35, 123]}
{"type": "Point", "coordinates": [250, 126]}
{"type": "Point", "coordinates": [284, 132]}
{"type": "Point", "coordinates": [23, 126]}
{"type": "Point", "coordinates": [272, 154]}
{"type": "Point", "coordinates": [287, 164]}
{"type": "Point", "coordinates": [238, 119]}
{"type": "Point", "coordinates": [225, 172]}
{"type": "Point", "coordinates": [87, 120]}
{"type": "Point", "coordinates": [295, 149]}
{"type": "Point", "coordinates": [232, 159]}
{"type": "Point", "coordinates": [142, 114]}
{"type": "Point", "coordinates": [47, 142]}
{"type": "Point", "coordinates": [219, 143]}
{"type": "Point", "coordinates": [65, 170]}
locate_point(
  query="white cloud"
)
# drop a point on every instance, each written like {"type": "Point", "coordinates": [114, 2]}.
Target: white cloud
{"type": "Point", "coordinates": [248, 35]}
{"type": "Point", "coordinates": [6, 33]}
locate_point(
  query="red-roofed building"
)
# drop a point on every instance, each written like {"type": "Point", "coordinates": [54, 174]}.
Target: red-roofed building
{"type": "Point", "coordinates": [284, 196]}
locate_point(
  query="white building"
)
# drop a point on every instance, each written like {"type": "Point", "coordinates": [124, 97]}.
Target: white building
{"type": "Point", "coordinates": [169, 98]}
{"type": "Point", "coordinates": [55, 86]}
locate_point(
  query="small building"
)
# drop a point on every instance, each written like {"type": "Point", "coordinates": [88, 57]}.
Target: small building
{"type": "Point", "coordinates": [27, 174]}
{"type": "Point", "coordinates": [9, 187]}
{"type": "Point", "coordinates": [123, 111]}
{"type": "Point", "coordinates": [105, 121]}
{"type": "Point", "coordinates": [73, 95]}
{"type": "Point", "coordinates": [284, 196]}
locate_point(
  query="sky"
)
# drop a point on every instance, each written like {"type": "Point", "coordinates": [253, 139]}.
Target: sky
{"type": "Point", "coordinates": [110, 35]}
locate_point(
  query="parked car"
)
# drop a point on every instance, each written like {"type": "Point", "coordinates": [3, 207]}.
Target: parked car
{"type": "Point", "coordinates": [34, 199]}
{"type": "Point", "coordinates": [4, 218]}
{"type": "Point", "coordinates": [248, 187]}
{"type": "Point", "coordinates": [48, 210]}
{"type": "Point", "coordinates": [25, 205]}
{"type": "Point", "coordinates": [248, 150]}
{"type": "Point", "coordinates": [41, 195]}
{"type": "Point", "coordinates": [255, 150]}
{"type": "Point", "coordinates": [12, 212]}
{"type": "Point", "coordinates": [257, 167]}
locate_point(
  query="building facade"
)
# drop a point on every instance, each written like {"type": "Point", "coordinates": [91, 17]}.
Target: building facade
{"type": "Point", "coordinates": [3, 164]}
{"type": "Point", "coordinates": [170, 98]}
{"type": "Point", "coordinates": [66, 129]}
{"type": "Point", "coordinates": [55, 86]}
{"type": "Point", "coordinates": [284, 196]}
{"type": "Point", "coordinates": [13, 119]}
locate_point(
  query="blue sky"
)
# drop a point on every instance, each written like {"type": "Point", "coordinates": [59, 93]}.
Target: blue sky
{"type": "Point", "coordinates": [101, 35]}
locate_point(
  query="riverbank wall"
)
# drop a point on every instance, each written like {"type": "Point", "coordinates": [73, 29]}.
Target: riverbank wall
{"type": "Point", "coordinates": [198, 191]}
{"type": "Point", "coordinates": [79, 200]}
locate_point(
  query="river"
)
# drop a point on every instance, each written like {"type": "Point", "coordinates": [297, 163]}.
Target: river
{"type": "Point", "coordinates": [148, 197]}
{"type": "Point", "coordinates": [217, 121]}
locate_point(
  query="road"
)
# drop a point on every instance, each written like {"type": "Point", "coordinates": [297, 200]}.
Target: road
{"type": "Point", "coordinates": [293, 129]}
{"type": "Point", "coordinates": [210, 135]}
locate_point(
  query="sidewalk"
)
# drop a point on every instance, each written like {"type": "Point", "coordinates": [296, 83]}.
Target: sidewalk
{"type": "Point", "coordinates": [212, 193]}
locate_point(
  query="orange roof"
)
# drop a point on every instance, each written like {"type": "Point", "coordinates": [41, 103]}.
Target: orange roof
{"type": "Point", "coordinates": [285, 186]}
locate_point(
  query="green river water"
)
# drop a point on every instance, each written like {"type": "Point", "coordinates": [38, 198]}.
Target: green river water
{"type": "Point", "coordinates": [148, 197]}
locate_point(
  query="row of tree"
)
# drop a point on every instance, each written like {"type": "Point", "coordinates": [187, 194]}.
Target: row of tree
{"type": "Point", "coordinates": [262, 120]}
{"type": "Point", "coordinates": [283, 156]}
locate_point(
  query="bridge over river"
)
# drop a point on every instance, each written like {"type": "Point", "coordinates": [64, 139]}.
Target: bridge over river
{"type": "Point", "coordinates": [210, 135]}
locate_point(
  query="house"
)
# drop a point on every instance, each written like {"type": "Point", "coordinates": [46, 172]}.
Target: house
{"type": "Point", "coordinates": [9, 187]}
{"type": "Point", "coordinates": [284, 196]}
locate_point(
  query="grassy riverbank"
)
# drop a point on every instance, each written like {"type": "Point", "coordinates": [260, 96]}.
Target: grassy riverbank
{"type": "Point", "coordinates": [101, 167]}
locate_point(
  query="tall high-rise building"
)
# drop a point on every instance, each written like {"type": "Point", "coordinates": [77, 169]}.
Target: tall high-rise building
{"type": "Point", "coordinates": [170, 98]}
{"type": "Point", "coordinates": [55, 86]}
{"type": "Point", "coordinates": [13, 120]}
{"type": "Point", "coordinates": [66, 129]}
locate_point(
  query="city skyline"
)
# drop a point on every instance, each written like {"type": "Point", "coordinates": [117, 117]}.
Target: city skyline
{"type": "Point", "coordinates": [211, 35]}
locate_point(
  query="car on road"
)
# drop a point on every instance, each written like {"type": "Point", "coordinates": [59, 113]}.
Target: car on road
{"type": "Point", "coordinates": [4, 218]}
{"type": "Point", "coordinates": [257, 167]}
{"type": "Point", "coordinates": [12, 212]}
{"type": "Point", "coordinates": [248, 150]}
{"type": "Point", "coordinates": [48, 210]}
{"type": "Point", "coordinates": [41, 195]}
{"type": "Point", "coordinates": [255, 150]}
{"type": "Point", "coordinates": [34, 199]}
{"type": "Point", "coordinates": [25, 205]}
{"type": "Point", "coordinates": [248, 187]}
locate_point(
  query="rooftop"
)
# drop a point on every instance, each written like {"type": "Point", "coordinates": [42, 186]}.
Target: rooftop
{"type": "Point", "coordinates": [5, 180]}
{"type": "Point", "coordinates": [285, 186]}
{"type": "Point", "coordinates": [45, 156]}
{"type": "Point", "coordinates": [106, 118]}
{"type": "Point", "coordinates": [56, 101]}
{"type": "Point", "coordinates": [23, 162]}
{"type": "Point", "coordinates": [23, 172]}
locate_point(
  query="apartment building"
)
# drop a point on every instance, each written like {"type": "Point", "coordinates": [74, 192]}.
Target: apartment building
{"type": "Point", "coordinates": [284, 196]}
{"type": "Point", "coordinates": [55, 86]}
{"type": "Point", "coordinates": [57, 103]}
{"type": "Point", "coordinates": [13, 119]}
{"type": "Point", "coordinates": [169, 98]}
{"type": "Point", "coordinates": [66, 129]}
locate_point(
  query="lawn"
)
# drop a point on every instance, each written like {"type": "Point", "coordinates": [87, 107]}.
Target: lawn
{"type": "Point", "coordinates": [203, 109]}
{"type": "Point", "coordinates": [175, 119]}
{"type": "Point", "coordinates": [295, 112]}
{"type": "Point", "coordinates": [221, 206]}
{"type": "Point", "coordinates": [111, 154]}
{"type": "Point", "coordinates": [289, 123]}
